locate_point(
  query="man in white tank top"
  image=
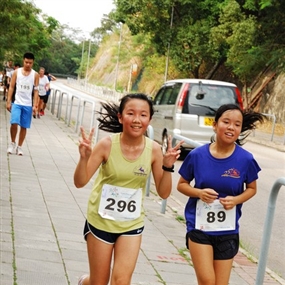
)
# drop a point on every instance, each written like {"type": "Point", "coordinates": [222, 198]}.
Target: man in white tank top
{"type": "Point", "coordinates": [26, 82]}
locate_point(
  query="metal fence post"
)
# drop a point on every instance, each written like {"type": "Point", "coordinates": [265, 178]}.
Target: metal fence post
{"type": "Point", "coordinates": [267, 230]}
{"type": "Point", "coordinates": [92, 112]}
{"type": "Point", "coordinates": [150, 135]}
{"type": "Point", "coordinates": [54, 100]}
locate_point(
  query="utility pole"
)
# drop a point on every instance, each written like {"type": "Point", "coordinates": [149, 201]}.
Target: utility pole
{"type": "Point", "coordinates": [118, 57]}
{"type": "Point", "coordinates": [81, 64]}
{"type": "Point", "coordinates": [168, 48]}
{"type": "Point", "coordinates": [87, 62]}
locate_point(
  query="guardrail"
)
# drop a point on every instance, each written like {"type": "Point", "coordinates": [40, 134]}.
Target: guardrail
{"type": "Point", "coordinates": [270, 136]}
{"type": "Point", "coordinates": [58, 115]}
{"type": "Point", "coordinates": [267, 230]}
{"type": "Point", "coordinates": [78, 112]}
{"type": "Point", "coordinates": [100, 91]}
{"type": "Point", "coordinates": [151, 136]}
{"type": "Point", "coordinates": [92, 121]}
{"type": "Point", "coordinates": [273, 125]}
{"type": "Point", "coordinates": [56, 103]}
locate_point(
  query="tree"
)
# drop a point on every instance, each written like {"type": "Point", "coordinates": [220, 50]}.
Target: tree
{"type": "Point", "coordinates": [244, 35]}
{"type": "Point", "coordinates": [22, 30]}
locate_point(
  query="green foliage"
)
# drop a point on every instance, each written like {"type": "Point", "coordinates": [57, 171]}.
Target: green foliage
{"type": "Point", "coordinates": [246, 35]}
{"type": "Point", "coordinates": [21, 30]}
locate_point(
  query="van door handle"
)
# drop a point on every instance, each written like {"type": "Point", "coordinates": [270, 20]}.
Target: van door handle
{"type": "Point", "coordinates": [168, 117]}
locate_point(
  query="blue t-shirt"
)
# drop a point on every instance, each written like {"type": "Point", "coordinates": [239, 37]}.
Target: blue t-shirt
{"type": "Point", "coordinates": [227, 176]}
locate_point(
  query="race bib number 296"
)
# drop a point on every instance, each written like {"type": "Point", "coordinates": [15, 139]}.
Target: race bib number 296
{"type": "Point", "coordinates": [119, 203]}
{"type": "Point", "coordinates": [213, 217]}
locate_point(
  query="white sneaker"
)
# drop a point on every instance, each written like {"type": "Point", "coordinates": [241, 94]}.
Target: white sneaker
{"type": "Point", "coordinates": [12, 148]}
{"type": "Point", "coordinates": [80, 281]}
{"type": "Point", "coordinates": [19, 151]}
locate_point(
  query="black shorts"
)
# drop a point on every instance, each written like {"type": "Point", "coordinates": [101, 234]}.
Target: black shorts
{"type": "Point", "coordinates": [224, 246]}
{"type": "Point", "coordinates": [108, 237]}
{"type": "Point", "coordinates": [44, 98]}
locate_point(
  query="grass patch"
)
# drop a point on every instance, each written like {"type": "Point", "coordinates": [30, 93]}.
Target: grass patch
{"type": "Point", "coordinates": [180, 219]}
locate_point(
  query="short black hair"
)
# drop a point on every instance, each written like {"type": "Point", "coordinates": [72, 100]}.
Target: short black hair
{"type": "Point", "coordinates": [29, 55]}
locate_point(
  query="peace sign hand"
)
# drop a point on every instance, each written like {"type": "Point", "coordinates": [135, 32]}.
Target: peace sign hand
{"type": "Point", "coordinates": [172, 154]}
{"type": "Point", "coordinates": [85, 143]}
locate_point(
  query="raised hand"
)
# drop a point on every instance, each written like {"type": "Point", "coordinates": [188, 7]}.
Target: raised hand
{"type": "Point", "coordinates": [85, 143]}
{"type": "Point", "coordinates": [172, 154]}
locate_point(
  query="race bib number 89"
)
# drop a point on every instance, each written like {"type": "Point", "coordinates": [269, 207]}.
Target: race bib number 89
{"type": "Point", "coordinates": [119, 203]}
{"type": "Point", "coordinates": [213, 217]}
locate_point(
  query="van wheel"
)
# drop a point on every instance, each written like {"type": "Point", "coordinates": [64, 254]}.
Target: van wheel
{"type": "Point", "coordinates": [164, 143]}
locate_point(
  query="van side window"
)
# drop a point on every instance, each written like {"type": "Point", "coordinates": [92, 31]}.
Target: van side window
{"type": "Point", "coordinates": [173, 96]}
{"type": "Point", "coordinates": [166, 96]}
{"type": "Point", "coordinates": [157, 99]}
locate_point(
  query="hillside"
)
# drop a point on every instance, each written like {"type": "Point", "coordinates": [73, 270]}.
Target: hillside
{"type": "Point", "coordinates": [123, 63]}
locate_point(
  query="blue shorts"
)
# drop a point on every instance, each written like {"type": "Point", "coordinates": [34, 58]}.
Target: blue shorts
{"type": "Point", "coordinates": [21, 115]}
{"type": "Point", "coordinates": [108, 237]}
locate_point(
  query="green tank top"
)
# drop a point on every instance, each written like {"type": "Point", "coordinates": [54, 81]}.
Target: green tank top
{"type": "Point", "coordinates": [121, 174]}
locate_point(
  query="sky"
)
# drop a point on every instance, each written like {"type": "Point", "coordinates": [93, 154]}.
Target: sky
{"type": "Point", "coordinates": [83, 14]}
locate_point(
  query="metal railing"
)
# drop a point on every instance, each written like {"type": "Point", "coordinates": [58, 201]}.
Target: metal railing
{"type": "Point", "coordinates": [271, 136]}
{"type": "Point", "coordinates": [78, 112]}
{"type": "Point", "coordinates": [58, 115]}
{"type": "Point", "coordinates": [100, 91]}
{"type": "Point", "coordinates": [92, 121]}
{"type": "Point", "coordinates": [151, 136]}
{"type": "Point", "coordinates": [273, 125]}
{"type": "Point", "coordinates": [267, 230]}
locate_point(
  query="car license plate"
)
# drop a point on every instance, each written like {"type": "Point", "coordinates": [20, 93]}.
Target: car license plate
{"type": "Point", "coordinates": [209, 121]}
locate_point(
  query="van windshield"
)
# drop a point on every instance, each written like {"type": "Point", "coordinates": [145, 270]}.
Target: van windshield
{"type": "Point", "coordinates": [205, 99]}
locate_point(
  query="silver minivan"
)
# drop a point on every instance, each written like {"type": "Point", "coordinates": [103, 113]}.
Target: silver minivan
{"type": "Point", "coordinates": [186, 108]}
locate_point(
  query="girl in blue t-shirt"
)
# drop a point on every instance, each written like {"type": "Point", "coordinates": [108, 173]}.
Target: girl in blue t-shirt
{"type": "Point", "coordinates": [225, 177]}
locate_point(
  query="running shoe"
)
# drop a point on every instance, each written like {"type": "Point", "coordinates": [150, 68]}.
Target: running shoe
{"type": "Point", "coordinates": [12, 148]}
{"type": "Point", "coordinates": [80, 281]}
{"type": "Point", "coordinates": [19, 151]}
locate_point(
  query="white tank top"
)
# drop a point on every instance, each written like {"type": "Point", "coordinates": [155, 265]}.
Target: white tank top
{"type": "Point", "coordinates": [24, 88]}
{"type": "Point", "coordinates": [43, 81]}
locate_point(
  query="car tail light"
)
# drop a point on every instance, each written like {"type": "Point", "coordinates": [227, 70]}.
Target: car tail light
{"type": "Point", "coordinates": [182, 98]}
{"type": "Point", "coordinates": [239, 98]}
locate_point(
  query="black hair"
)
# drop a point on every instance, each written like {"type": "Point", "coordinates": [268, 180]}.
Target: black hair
{"type": "Point", "coordinates": [109, 121]}
{"type": "Point", "coordinates": [250, 119]}
{"type": "Point", "coordinates": [29, 55]}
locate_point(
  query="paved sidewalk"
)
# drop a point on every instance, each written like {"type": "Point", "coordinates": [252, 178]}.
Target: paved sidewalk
{"type": "Point", "coordinates": [42, 217]}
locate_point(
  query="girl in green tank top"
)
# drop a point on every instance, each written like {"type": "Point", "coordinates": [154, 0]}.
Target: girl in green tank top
{"type": "Point", "coordinates": [125, 160]}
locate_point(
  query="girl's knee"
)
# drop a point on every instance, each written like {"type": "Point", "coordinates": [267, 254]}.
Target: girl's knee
{"type": "Point", "coordinates": [121, 279]}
